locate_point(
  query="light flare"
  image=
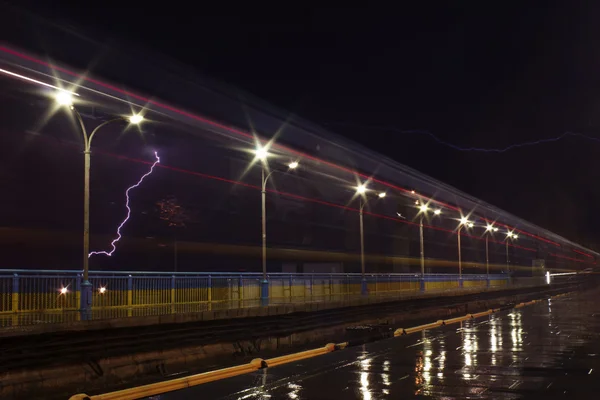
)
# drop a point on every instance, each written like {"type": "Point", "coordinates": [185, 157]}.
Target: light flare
{"type": "Point", "coordinates": [114, 242]}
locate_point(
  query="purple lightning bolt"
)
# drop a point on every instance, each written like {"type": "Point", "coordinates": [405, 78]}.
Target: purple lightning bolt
{"type": "Point", "coordinates": [113, 243]}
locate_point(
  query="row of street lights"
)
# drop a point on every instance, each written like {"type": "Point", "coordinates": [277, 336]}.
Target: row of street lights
{"type": "Point", "coordinates": [65, 99]}
{"type": "Point", "coordinates": [262, 154]}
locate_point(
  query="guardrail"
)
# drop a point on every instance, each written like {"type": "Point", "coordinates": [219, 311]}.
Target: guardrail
{"type": "Point", "coordinates": [46, 291]}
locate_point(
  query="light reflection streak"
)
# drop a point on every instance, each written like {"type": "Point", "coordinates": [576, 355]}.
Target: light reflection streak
{"type": "Point", "coordinates": [441, 359]}
{"type": "Point", "coordinates": [365, 364]}
{"type": "Point", "coordinates": [470, 347]}
{"type": "Point", "coordinates": [294, 390]}
{"type": "Point", "coordinates": [423, 366]}
{"type": "Point", "coordinates": [516, 334]}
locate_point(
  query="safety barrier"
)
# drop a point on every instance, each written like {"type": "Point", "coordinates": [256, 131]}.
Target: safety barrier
{"type": "Point", "coordinates": [43, 291]}
{"type": "Point", "coordinates": [258, 363]}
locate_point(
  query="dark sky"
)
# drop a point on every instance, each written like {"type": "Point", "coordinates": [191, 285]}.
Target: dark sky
{"type": "Point", "coordinates": [473, 73]}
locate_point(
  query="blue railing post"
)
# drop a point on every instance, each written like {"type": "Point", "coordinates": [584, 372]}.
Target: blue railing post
{"type": "Point", "coordinates": [264, 292]}
{"type": "Point", "coordinates": [209, 289]}
{"type": "Point", "coordinates": [364, 287]}
{"type": "Point", "coordinates": [129, 290]}
{"type": "Point", "coordinates": [15, 293]}
{"type": "Point", "coordinates": [85, 305]}
{"type": "Point", "coordinates": [488, 281]}
{"type": "Point", "coordinates": [241, 289]}
{"type": "Point", "coordinates": [83, 290]}
{"type": "Point", "coordinates": [173, 289]}
{"type": "Point", "coordinates": [291, 286]}
{"type": "Point", "coordinates": [312, 284]}
{"type": "Point", "coordinates": [422, 283]}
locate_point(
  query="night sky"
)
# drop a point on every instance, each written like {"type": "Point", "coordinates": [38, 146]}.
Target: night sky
{"type": "Point", "coordinates": [470, 73]}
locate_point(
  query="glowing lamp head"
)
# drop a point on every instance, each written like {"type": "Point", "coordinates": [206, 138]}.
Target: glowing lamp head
{"type": "Point", "coordinates": [381, 195]}
{"type": "Point", "coordinates": [470, 224]}
{"type": "Point", "coordinates": [64, 98]}
{"type": "Point", "coordinates": [423, 208]}
{"type": "Point", "coordinates": [361, 189]}
{"type": "Point", "coordinates": [464, 221]}
{"type": "Point", "coordinates": [495, 229]}
{"type": "Point", "coordinates": [437, 212]}
{"type": "Point", "coordinates": [489, 228]}
{"type": "Point", "coordinates": [135, 119]}
{"type": "Point", "coordinates": [64, 290]}
{"type": "Point", "coordinates": [102, 290]}
{"type": "Point", "coordinates": [515, 236]}
{"type": "Point", "coordinates": [293, 165]}
{"type": "Point", "coordinates": [261, 153]}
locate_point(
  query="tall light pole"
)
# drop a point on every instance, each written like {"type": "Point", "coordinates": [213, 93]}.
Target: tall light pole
{"type": "Point", "coordinates": [423, 209]}
{"type": "Point", "coordinates": [361, 190]}
{"type": "Point", "coordinates": [513, 236]}
{"type": "Point", "coordinates": [488, 231]}
{"type": "Point", "coordinates": [66, 99]}
{"type": "Point", "coordinates": [463, 222]}
{"type": "Point", "coordinates": [262, 154]}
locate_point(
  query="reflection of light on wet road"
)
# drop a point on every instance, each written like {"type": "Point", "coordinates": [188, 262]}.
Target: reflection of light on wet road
{"type": "Point", "coordinates": [365, 364]}
{"type": "Point", "coordinates": [469, 347]}
{"type": "Point", "coordinates": [441, 358]}
{"type": "Point", "coordinates": [452, 362]}
{"type": "Point", "coordinates": [294, 390]}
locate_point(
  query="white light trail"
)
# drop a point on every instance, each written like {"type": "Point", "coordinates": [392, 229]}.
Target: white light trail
{"type": "Point", "coordinates": [26, 78]}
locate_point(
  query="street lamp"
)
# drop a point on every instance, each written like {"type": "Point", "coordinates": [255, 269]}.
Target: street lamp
{"type": "Point", "coordinates": [66, 99]}
{"type": "Point", "coordinates": [513, 236]}
{"type": "Point", "coordinates": [361, 190]}
{"type": "Point", "coordinates": [423, 209]}
{"type": "Point", "coordinates": [489, 229]}
{"type": "Point", "coordinates": [463, 222]}
{"type": "Point", "coordinates": [262, 154]}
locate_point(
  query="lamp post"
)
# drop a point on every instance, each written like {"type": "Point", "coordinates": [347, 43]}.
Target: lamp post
{"type": "Point", "coordinates": [262, 154]}
{"type": "Point", "coordinates": [423, 209]}
{"type": "Point", "coordinates": [66, 99]}
{"type": "Point", "coordinates": [463, 222]}
{"type": "Point", "coordinates": [361, 190]}
{"type": "Point", "coordinates": [488, 231]}
{"type": "Point", "coordinates": [509, 235]}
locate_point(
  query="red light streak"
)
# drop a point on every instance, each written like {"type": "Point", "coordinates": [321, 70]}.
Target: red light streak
{"type": "Point", "coordinates": [566, 258]}
{"type": "Point", "coordinates": [237, 132]}
{"type": "Point", "coordinates": [582, 253]}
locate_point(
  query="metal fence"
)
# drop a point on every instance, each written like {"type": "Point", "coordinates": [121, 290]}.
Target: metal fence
{"type": "Point", "coordinates": [46, 291]}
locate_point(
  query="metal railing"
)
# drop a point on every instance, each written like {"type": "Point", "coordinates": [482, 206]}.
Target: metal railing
{"type": "Point", "coordinates": [47, 291]}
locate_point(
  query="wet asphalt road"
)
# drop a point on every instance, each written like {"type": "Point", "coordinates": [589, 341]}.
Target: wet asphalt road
{"type": "Point", "coordinates": [548, 350]}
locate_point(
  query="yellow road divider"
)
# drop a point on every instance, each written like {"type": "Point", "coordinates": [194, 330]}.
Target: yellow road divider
{"type": "Point", "coordinates": [481, 314]}
{"type": "Point", "coordinates": [273, 362]}
{"type": "Point", "coordinates": [175, 384]}
{"type": "Point", "coordinates": [457, 319]}
{"type": "Point", "coordinates": [418, 328]}
{"type": "Point", "coordinates": [258, 363]}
